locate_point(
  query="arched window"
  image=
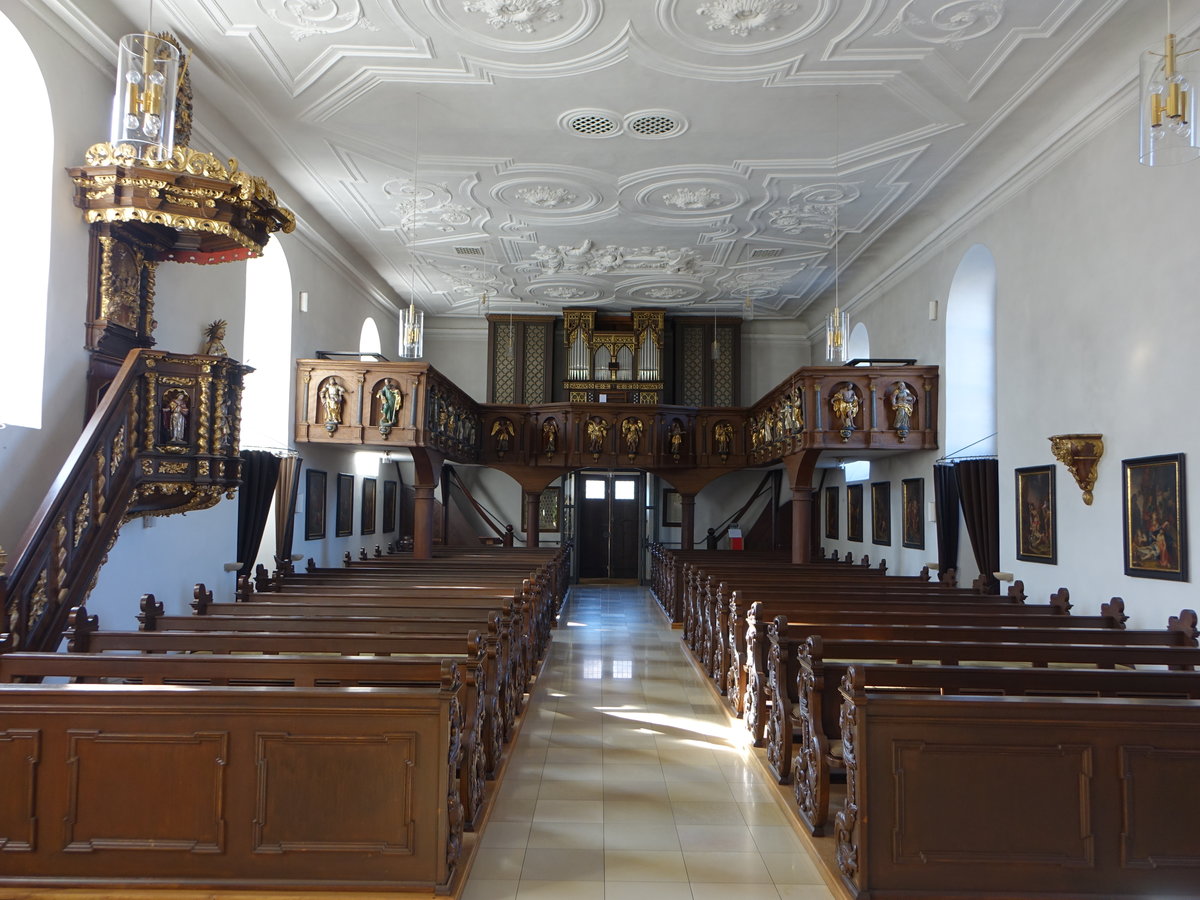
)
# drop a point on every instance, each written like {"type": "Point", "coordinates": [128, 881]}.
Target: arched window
{"type": "Point", "coordinates": [970, 382]}
{"type": "Point", "coordinates": [859, 345]}
{"type": "Point", "coordinates": [27, 270]}
{"type": "Point", "coordinates": [368, 338]}
{"type": "Point", "coordinates": [267, 397]}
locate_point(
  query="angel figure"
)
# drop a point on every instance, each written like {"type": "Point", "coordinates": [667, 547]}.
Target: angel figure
{"type": "Point", "coordinates": [597, 432]}
{"type": "Point", "coordinates": [549, 437]}
{"type": "Point", "coordinates": [723, 438]}
{"type": "Point", "coordinates": [631, 430]}
{"type": "Point", "coordinates": [502, 434]}
{"type": "Point", "coordinates": [675, 439]}
{"type": "Point", "coordinates": [214, 334]}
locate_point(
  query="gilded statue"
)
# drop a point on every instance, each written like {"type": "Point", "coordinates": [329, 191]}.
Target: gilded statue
{"type": "Point", "coordinates": [121, 290]}
{"type": "Point", "coordinates": [902, 407]}
{"type": "Point", "coordinates": [597, 432]}
{"type": "Point", "coordinates": [845, 408]}
{"type": "Point", "coordinates": [502, 434]}
{"type": "Point", "coordinates": [675, 438]}
{"type": "Point", "coordinates": [631, 431]}
{"type": "Point", "coordinates": [332, 396]}
{"type": "Point", "coordinates": [390, 401]}
{"type": "Point", "coordinates": [175, 417]}
{"type": "Point", "coordinates": [723, 439]}
{"type": "Point", "coordinates": [214, 335]}
{"type": "Point", "coordinates": [549, 437]}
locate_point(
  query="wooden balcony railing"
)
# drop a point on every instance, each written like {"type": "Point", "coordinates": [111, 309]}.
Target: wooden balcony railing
{"type": "Point", "coordinates": [164, 439]}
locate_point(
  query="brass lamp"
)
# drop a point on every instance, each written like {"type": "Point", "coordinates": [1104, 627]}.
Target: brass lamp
{"type": "Point", "coordinates": [143, 114]}
{"type": "Point", "coordinates": [1168, 102]}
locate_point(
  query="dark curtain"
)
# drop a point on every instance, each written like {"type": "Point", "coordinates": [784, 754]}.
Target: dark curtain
{"type": "Point", "coordinates": [260, 472]}
{"type": "Point", "coordinates": [945, 501]}
{"type": "Point", "coordinates": [979, 494]}
{"type": "Point", "coordinates": [286, 488]}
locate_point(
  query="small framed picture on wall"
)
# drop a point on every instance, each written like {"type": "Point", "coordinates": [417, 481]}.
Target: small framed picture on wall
{"type": "Point", "coordinates": [1154, 506]}
{"type": "Point", "coordinates": [314, 504]}
{"type": "Point", "coordinates": [832, 526]}
{"type": "Point", "coordinates": [854, 512]}
{"type": "Point", "coordinates": [881, 513]}
{"type": "Point", "coordinates": [1037, 539]}
{"type": "Point", "coordinates": [367, 514]}
{"type": "Point", "coordinates": [912, 505]}
{"type": "Point", "coordinates": [344, 522]}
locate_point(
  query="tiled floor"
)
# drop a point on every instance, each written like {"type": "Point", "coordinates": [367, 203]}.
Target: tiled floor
{"type": "Point", "coordinates": [627, 781]}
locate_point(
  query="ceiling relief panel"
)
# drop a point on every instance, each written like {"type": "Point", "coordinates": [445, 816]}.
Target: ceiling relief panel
{"type": "Point", "coordinates": [677, 153]}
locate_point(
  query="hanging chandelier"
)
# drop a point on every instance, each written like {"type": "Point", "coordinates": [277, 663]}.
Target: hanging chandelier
{"type": "Point", "coordinates": [837, 323]}
{"type": "Point", "coordinates": [143, 113]}
{"type": "Point", "coordinates": [412, 320]}
{"type": "Point", "coordinates": [1167, 107]}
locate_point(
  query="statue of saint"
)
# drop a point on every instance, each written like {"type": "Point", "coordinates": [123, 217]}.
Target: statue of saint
{"type": "Point", "coordinates": [176, 415]}
{"type": "Point", "coordinates": [845, 406]}
{"type": "Point", "coordinates": [675, 438]}
{"type": "Point", "coordinates": [214, 334]}
{"type": "Point", "coordinates": [902, 405]}
{"type": "Point", "coordinates": [723, 437]}
{"type": "Point", "coordinates": [332, 395]}
{"type": "Point", "coordinates": [502, 434]}
{"type": "Point", "coordinates": [631, 430]}
{"type": "Point", "coordinates": [549, 437]}
{"type": "Point", "coordinates": [390, 401]}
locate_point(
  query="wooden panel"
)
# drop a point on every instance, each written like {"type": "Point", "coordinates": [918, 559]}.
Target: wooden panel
{"type": "Point", "coordinates": [311, 795]}
{"type": "Point", "coordinates": [20, 753]}
{"type": "Point", "coordinates": [181, 782]}
{"type": "Point", "coordinates": [1154, 836]}
{"type": "Point", "coordinates": [949, 811]}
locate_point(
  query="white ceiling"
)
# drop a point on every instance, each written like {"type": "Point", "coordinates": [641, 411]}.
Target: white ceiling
{"type": "Point", "coordinates": [685, 154]}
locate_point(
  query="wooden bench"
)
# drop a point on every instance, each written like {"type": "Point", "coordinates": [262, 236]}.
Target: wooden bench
{"type": "Point", "coordinates": [201, 787]}
{"type": "Point", "coordinates": [1017, 797]}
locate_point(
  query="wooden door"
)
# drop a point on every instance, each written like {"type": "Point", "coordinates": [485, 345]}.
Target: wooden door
{"type": "Point", "coordinates": [608, 507]}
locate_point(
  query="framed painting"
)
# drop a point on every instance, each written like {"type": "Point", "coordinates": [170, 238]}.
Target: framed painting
{"type": "Point", "coordinates": [832, 526]}
{"type": "Point", "coordinates": [1037, 528]}
{"type": "Point", "coordinates": [672, 508]}
{"type": "Point", "coordinates": [314, 505]}
{"type": "Point", "coordinates": [389, 507]}
{"type": "Point", "coordinates": [912, 502]}
{"type": "Point", "coordinates": [1154, 506]}
{"type": "Point", "coordinates": [881, 513]}
{"type": "Point", "coordinates": [344, 522]}
{"type": "Point", "coordinates": [854, 512]}
{"type": "Point", "coordinates": [549, 511]}
{"type": "Point", "coordinates": [367, 512]}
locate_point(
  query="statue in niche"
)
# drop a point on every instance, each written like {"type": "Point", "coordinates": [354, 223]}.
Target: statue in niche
{"type": "Point", "coordinates": [903, 401]}
{"type": "Point", "coordinates": [793, 416]}
{"type": "Point", "coordinates": [723, 439]}
{"type": "Point", "coordinates": [390, 401]}
{"type": "Point", "coordinates": [845, 407]}
{"type": "Point", "coordinates": [175, 413]}
{"type": "Point", "coordinates": [121, 294]}
{"type": "Point", "coordinates": [549, 437]}
{"type": "Point", "coordinates": [597, 433]}
{"type": "Point", "coordinates": [675, 439]}
{"type": "Point", "coordinates": [332, 396]}
{"type": "Point", "coordinates": [502, 435]}
{"type": "Point", "coordinates": [214, 335]}
{"type": "Point", "coordinates": [631, 431]}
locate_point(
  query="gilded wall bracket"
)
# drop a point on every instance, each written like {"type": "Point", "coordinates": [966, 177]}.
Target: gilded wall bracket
{"type": "Point", "coordinates": [1080, 453]}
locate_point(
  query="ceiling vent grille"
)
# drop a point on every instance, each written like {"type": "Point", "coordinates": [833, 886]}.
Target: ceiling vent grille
{"type": "Point", "coordinates": [469, 251]}
{"type": "Point", "coordinates": [654, 124]}
{"type": "Point", "coordinates": [594, 123]}
{"type": "Point", "coordinates": [766, 252]}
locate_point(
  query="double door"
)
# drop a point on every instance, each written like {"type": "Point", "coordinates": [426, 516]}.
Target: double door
{"type": "Point", "coordinates": [609, 514]}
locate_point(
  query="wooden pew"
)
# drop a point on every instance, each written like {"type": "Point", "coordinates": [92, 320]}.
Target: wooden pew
{"type": "Point", "coordinates": [111, 787]}
{"type": "Point", "coordinates": [1017, 797]}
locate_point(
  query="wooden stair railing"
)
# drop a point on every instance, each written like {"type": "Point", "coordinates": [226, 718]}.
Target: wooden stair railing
{"type": "Point", "coordinates": [164, 439]}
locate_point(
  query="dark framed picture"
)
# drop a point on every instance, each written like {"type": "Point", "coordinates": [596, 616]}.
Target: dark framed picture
{"type": "Point", "coordinates": [912, 505]}
{"type": "Point", "coordinates": [672, 508]}
{"type": "Point", "coordinates": [1154, 504]}
{"type": "Point", "coordinates": [1037, 528]}
{"type": "Point", "coordinates": [832, 526]}
{"type": "Point", "coordinates": [343, 524]}
{"type": "Point", "coordinates": [367, 513]}
{"type": "Point", "coordinates": [389, 507]}
{"type": "Point", "coordinates": [549, 511]}
{"type": "Point", "coordinates": [881, 513]}
{"type": "Point", "coordinates": [314, 505]}
{"type": "Point", "coordinates": [854, 512]}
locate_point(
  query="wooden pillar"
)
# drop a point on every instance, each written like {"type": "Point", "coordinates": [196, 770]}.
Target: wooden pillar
{"type": "Point", "coordinates": [687, 537]}
{"type": "Point", "coordinates": [423, 521]}
{"type": "Point", "coordinates": [802, 524]}
{"type": "Point", "coordinates": [533, 501]}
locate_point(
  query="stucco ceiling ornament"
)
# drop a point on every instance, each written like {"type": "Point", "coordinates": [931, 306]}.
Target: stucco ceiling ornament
{"type": "Point", "coordinates": [426, 206]}
{"type": "Point", "coordinates": [813, 207]}
{"type": "Point", "coordinates": [545, 197]}
{"type": "Point", "coordinates": [520, 14]}
{"type": "Point", "coordinates": [761, 283]}
{"type": "Point", "coordinates": [470, 280]}
{"type": "Point", "coordinates": [952, 24]}
{"type": "Point", "coordinates": [692, 198]}
{"type": "Point", "coordinates": [742, 17]}
{"type": "Point", "coordinates": [306, 18]}
{"type": "Point", "coordinates": [565, 293]}
{"type": "Point", "coordinates": [665, 293]}
{"type": "Point", "coordinates": [588, 259]}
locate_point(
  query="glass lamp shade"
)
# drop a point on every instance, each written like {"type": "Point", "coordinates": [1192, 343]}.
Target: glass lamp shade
{"type": "Point", "coordinates": [412, 333]}
{"type": "Point", "coordinates": [837, 331]}
{"type": "Point", "coordinates": [1167, 107]}
{"type": "Point", "coordinates": [143, 114]}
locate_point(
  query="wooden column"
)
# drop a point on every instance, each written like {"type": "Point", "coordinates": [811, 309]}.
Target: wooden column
{"type": "Point", "coordinates": [532, 503]}
{"type": "Point", "coordinates": [687, 537]}
{"type": "Point", "coordinates": [801, 524]}
{"type": "Point", "coordinates": [423, 521]}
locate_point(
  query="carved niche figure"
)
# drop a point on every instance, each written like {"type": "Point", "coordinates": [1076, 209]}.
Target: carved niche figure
{"type": "Point", "coordinates": [631, 431]}
{"type": "Point", "coordinates": [121, 287]}
{"type": "Point", "coordinates": [214, 334]}
{"type": "Point", "coordinates": [390, 402]}
{"type": "Point", "coordinates": [597, 433]}
{"type": "Point", "coordinates": [793, 414]}
{"type": "Point", "coordinates": [176, 412]}
{"type": "Point", "coordinates": [903, 401]}
{"type": "Point", "coordinates": [723, 439]}
{"type": "Point", "coordinates": [845, 408]}
{"type": "Point", "coordinates": [502, 435]}
{"type": "Point", "coordinates": [549, 437]}
{"type": "Point", "coordinates": [675, 439]}
{"type": "Point", "coordinates": [332, 396]}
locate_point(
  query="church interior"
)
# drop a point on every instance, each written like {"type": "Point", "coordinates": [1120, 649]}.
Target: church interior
{"type": "Point", "coordinates": [513, 449]}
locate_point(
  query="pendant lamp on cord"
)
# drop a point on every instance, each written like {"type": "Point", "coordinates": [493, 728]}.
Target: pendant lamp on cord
{"type": "Point", "coordinates": [412, 320]}
{"type": "Point", "coordinates": [143, 112]}
{"type": "Point", "coordinates": [837, 324]}
{"type": "Point", "coordinates": [1167, 106]}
